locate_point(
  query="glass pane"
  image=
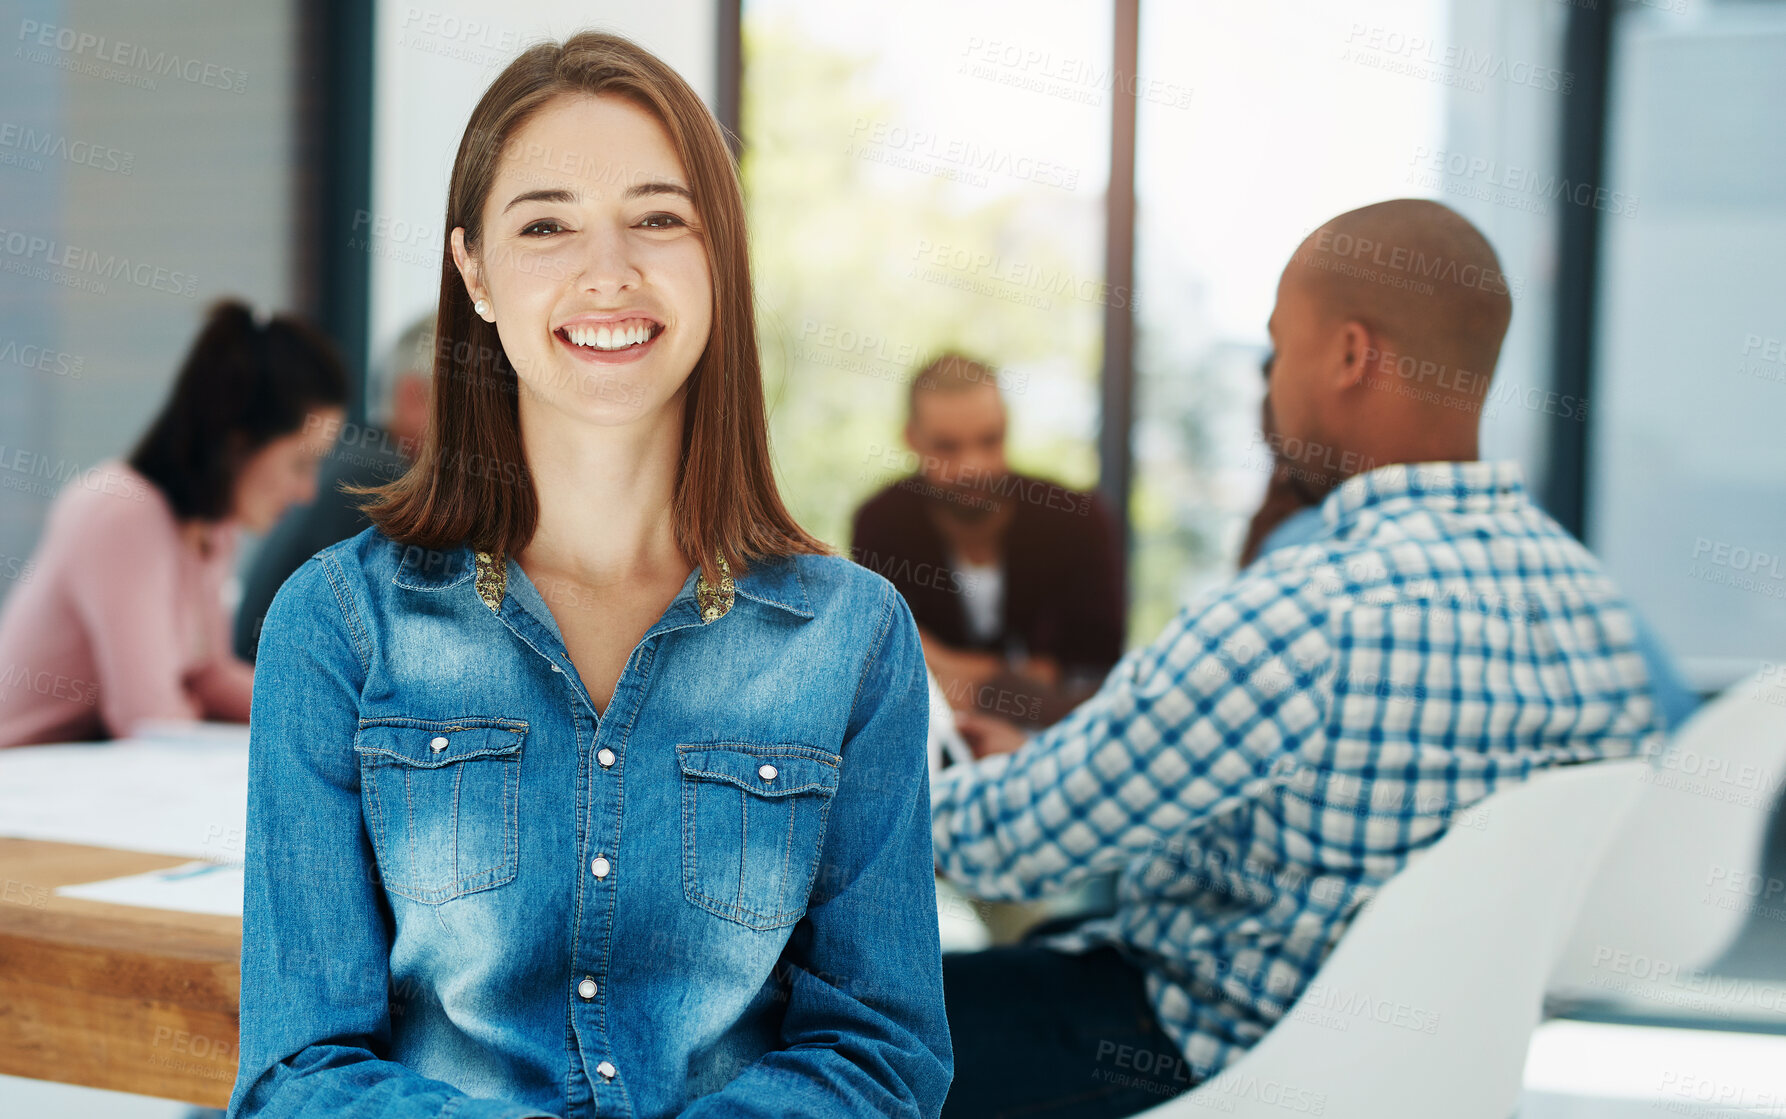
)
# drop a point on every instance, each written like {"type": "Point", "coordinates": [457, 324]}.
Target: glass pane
{"type": "Point", "coordinates": [1299, 111]}
{"type": "Point", "coordinates": [924, 176]}
{"type": "Point", "coordinates": [1688, 464]}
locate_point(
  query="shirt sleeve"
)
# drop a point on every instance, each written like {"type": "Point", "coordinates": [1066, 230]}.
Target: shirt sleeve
{"type": "Point", "coordinates": [865, 1031]}
{"type": "Point", "coordinates": [127, 596]}
{"type": "Point", "coordinates": [1181, 731]}
{"type": "Point", "coordinates": [316, 933]}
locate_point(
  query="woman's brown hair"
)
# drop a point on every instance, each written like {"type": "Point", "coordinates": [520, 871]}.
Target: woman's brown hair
{"type": "Point", "coordinates": [469, 481]}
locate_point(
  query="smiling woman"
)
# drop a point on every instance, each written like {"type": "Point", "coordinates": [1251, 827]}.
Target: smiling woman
{"type": "Point", "coordinates": [586, 781]}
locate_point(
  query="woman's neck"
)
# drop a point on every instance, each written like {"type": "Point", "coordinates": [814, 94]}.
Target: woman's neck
{"type": "Point", "coordinates": [606, 496]}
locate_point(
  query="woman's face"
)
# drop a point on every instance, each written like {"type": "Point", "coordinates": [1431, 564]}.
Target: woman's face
{"type": "Point", "coordinates": [283, 472]}
{"type": "Point", "coordinates": [592, 262]}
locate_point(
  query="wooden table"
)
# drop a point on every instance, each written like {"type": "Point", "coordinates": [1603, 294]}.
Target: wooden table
{"type": "Point", "coordinates": [113, 996]}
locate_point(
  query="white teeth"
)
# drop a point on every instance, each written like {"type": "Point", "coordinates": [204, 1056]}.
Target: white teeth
{"type": "Point", "coordinates": [609, 338]}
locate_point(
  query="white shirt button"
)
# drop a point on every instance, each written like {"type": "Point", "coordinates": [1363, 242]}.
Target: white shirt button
{"type": "Point", "coordinates": [605, 756]}
{"type": "Point", "coordinates": [607, 1069]}
{"type": "Point", "coordinates": [767, 773]}
{"type": "Point", "coordinates": [438, 744]}
{"type": "Point", "coordinates": [600, 866]}
{"type": "Point", "coordinates": [586, 988]}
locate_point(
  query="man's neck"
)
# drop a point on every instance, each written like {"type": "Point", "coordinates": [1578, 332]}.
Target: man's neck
{"type": "Point", "coordinates": [980, 541]}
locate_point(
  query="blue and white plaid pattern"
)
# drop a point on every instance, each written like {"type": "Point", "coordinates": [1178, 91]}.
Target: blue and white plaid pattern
{"type": "Point", "coordinates": [1295, 735]}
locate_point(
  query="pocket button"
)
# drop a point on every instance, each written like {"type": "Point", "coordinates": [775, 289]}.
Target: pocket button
{"type": "Point", "coordinates": [767, 773]}
{"type": "Point", "coordinates": [438, 744]}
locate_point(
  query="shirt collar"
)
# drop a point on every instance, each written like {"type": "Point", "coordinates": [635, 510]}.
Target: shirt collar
{"type": "Point", "coordinates": [1474, 487]}
{"type": "Point", "coordinates": [774, 581]}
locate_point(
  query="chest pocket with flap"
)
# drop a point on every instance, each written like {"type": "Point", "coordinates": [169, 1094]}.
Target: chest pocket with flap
{"type": "Point", "coordinates": [753, 827]}
{"type": "Point", "coordinates": [441, 798]}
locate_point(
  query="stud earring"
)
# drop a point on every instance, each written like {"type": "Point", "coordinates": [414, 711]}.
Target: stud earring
{"type": "Point", "coordinates": [482, 307]}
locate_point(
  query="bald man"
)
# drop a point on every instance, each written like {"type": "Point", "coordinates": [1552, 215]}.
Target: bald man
{"type": "Point", "coordinates": [1293, 736]}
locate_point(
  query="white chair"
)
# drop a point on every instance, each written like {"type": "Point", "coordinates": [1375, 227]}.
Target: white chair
{"type": "Point", "coordinates": [1427, 1004]}
{"type": "Point", "coordinates": [1667, 899]}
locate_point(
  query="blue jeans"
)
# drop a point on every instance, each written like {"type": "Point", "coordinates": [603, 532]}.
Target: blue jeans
{"type": "Point", "coordinates": [1043, 1033]}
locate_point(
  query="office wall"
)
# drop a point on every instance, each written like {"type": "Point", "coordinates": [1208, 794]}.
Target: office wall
{"type": "Point", "coordinates": [145, 169]}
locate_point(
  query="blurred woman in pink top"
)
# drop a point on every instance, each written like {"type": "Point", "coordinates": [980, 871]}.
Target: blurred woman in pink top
{"type": "Point", "coordinates": [121, 615]}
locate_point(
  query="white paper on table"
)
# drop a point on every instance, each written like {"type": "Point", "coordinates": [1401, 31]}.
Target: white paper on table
{"type": "Point", "coordinates": [166, 796]}
{"type": "Point", "coordinates": [190, 731]}
{"type": "Point", "coordinates": [195, 887]}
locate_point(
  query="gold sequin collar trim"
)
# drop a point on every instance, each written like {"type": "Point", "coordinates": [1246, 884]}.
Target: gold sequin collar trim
{"type": "Point", "coordinates": [492, 578]}
{"type": "Point", "coordinates": [714, 602]}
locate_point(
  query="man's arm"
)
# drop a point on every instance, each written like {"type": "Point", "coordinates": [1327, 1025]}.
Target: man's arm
{"type": "Point", "coordinates": [865, 1031]}
{"type": "Point", "coordinates": [1182, 730]}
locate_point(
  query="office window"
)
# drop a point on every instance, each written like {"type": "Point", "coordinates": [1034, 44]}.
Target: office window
{"type": "Point", "coordinates": [1289, 114]}
{"type": "Point", "coordinates": [921, 176]}
{"type": "Point", "coordinates": [1688, 467]}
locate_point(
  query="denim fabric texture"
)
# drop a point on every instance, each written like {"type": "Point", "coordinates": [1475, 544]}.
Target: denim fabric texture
{"type": "Point", "coordinates": [469, 893]}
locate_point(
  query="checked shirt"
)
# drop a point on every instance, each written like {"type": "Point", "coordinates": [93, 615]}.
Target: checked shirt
{"type": "Point", "coordinates": [1295, 735]}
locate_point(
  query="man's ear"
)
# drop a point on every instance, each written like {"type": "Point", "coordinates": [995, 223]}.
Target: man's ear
{"type": "Point", "coordinates": [467, 265]}
{"type": "Point", "coordinates": [1357, 349]}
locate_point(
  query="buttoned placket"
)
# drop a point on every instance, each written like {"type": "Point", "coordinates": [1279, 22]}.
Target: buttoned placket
{"type": "Point", "coordinates": [596, 892]}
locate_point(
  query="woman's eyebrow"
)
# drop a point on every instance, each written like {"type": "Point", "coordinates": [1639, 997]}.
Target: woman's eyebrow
{"type": "Point", "coordinates": [637, 190]}
{"type": "Point", "coordinates": [557, 195]}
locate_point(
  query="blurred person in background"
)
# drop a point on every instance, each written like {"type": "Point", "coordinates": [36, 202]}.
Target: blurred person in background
{"type": "Point", "coordinates": [1015, 581]}
{"type": "Point", "coordinates": [1295, 735]}
{"type": "Point", "coordinates": [124, 617]}
{"type": "Point", "coordinates": [363, 455]}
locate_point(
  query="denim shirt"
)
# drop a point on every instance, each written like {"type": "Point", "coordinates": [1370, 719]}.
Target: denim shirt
{"type": "Point", "coordinates": [470, 894]}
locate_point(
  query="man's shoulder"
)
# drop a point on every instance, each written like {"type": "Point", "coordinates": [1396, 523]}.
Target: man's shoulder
{"type": "Point", "coordinates": [897, 499]}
